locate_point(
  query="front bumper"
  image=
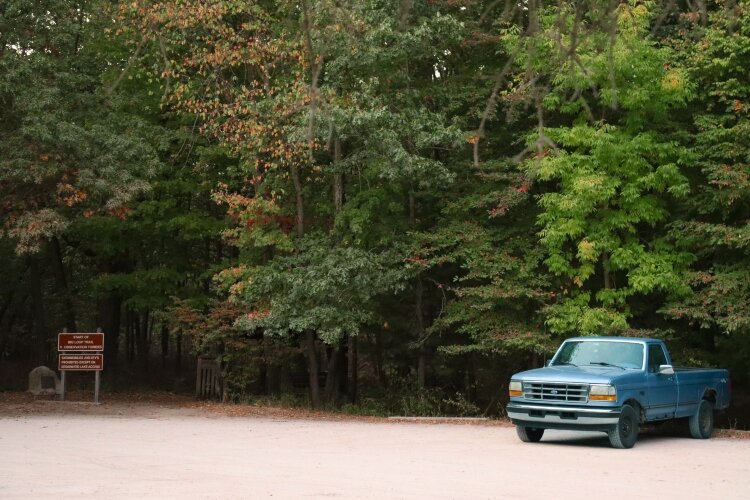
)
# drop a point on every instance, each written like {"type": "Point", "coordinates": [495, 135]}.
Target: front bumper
{"type": "Point", "coordinates": [562, 417]}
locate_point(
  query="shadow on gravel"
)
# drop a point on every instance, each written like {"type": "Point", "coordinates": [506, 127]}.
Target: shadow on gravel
{"type": "Point", "coordinates": [649, 434]}
{"type": "Point", "coordinates": [588, 439]}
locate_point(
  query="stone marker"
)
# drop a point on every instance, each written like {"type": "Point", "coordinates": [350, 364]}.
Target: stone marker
{"type": "Point", "coordinates": [42, 380]}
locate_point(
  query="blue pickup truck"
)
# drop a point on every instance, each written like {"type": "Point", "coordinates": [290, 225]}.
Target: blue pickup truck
{"type": "Point", "coordinates": [614, 384]}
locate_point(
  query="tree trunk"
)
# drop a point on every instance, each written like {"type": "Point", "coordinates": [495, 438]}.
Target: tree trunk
{"type": "Point", "coordinates": [300, 218]}
{"type": "Point", "coordinates": [127, 336]}
{"type": "Point", "coordinates": [422, 357]}
{"type": "Point", "coordinates": [379, 369]}
{"type": "Point", "coordinates": [142, 344]}
{"type": "Point", "coordinates": [38, 322]}
{"type": "Point", "coordinates": [271, 369]}
{"type": "Point", "coordinates": [606, 271]}
{"type": "Point", "coordinates": [338, 179]}
{"type": "Point", "coordinates": [352, 370]}
{"type": "Point", "coordinates": [178, 354]}
{"type": "Point", "coordinates": [136, 324]}
{"type": "Point", "coordinates": [316, 66]}
{"type": "Point", "coordinates": [285, 378]}
{"type": "Point", "coordinates": [418, 309]}
{"type": "Point", "coordinates": [6, 306]}
{"type": "Point", "coordinates": [471, 378]}
{"type": "Point", "coordinates": [404, 11]}
{"type": "Point", "coordinates": [164, 345]}
{"type": "Point", "coordinates": [130, 335]}
{"type": "Point", "coordinates": [312, 366]}
{"type": "Point", "coordinates": [332, 377]}
{"type": "Point", "coordinates": [62, 282]}
{"type": "Point", "coordinates": [109, 322]}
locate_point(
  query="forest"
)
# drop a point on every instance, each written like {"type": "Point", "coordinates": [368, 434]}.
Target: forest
{"type": "Point", "coordinates": [375, 206]}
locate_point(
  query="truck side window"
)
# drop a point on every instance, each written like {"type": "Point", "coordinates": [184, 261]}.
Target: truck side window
{"type": "Point", "coordinates": [656, 357]}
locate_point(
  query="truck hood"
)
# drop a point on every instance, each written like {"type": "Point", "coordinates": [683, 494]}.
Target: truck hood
{"type": "Point", "coordinates": [576, 374]}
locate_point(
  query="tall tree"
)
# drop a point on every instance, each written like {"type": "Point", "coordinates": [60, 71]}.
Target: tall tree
{"type": "Point", "coordinates": [611, 172]}
{"type": "Point", "coordinates": [67, 151]}
{"type": "Point", "coordinates": [715, 225]}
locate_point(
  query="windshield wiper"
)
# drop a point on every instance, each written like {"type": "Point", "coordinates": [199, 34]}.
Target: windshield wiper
{"type": "Point", "coordinates": [564, 363]}
{"type": "Point", "coordinates": [602, 363]}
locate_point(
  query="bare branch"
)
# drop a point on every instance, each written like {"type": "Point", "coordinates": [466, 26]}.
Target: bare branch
{"type": "Point", "coordinates": [167, 65]}
{"type": "Point", "coordinates": [499, 81]}
{"type": "Point", "coordinates": [316, 66]}
{"type": "Point", "coordinates": [508, 10]}
{"type": "Point", "coordinates": [404, 11]}
{"type": "Point", "coordinates": [491, 102]}
{"type": "Point", "coordinates": [668, 8]}
{"type": "Point", "coordinates": [611, 51]}
{"type": "Point", "coordinates": [110, 90]}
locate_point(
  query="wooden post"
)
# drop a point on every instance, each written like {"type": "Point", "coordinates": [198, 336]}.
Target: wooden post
{"type": "Point", "coordinates": [198, 385]}
{"type": "Point", "coordinates": [97, 376]}
{"type": "Point", "coordinates": [62, 385]}
{"type": "Point", "coordinates": [62, 375]}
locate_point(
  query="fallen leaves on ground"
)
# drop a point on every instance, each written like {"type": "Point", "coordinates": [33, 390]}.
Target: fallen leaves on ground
{"type": "Point", "coordinates": [161, 404]}
{"type": "Point", "coordinates": [157, 404]}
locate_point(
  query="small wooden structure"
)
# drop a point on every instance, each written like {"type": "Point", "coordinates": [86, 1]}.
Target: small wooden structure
{"type": "Point", "coordinates": [208, 382]}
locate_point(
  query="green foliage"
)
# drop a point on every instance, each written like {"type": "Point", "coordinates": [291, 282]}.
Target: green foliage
{"type": "Point", "coordinates": [455, 185]}
{"type": "Point", "coordinates": [715, 227]}
{"type": "Point", "coordinates": [329, 290]}
{"type": "Point", "coordinates": [64, 153]}
{"type": "Point", "coordinates": [611, 184]}
{"type": "Point", "coordinates": [405, 399]}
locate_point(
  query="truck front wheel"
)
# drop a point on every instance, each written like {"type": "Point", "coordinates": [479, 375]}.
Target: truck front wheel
{"type": "Point", "coordinates": [702, 421]}
{"type": "Point", "coordinates": [625, 434]}
{"type": "Point", "coordinates": [529, 434]}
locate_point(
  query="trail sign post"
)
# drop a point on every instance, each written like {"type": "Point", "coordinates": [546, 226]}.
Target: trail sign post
{"type": "Point", "coordinates": [80, 352]}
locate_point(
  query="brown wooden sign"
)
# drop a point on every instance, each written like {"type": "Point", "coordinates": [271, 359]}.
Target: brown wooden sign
{"type": "Point", "coordinates": [67, 342]}
{"type": "Point", "coordinates": [81, 362]}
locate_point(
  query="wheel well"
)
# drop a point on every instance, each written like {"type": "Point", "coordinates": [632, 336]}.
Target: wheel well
{"type": "Point", "coordinates": [638, 408]}
{"type": "Point", "coordinates": [710, 395]}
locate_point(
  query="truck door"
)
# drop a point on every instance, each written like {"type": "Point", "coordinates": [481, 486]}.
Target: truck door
{"type": "Point", "coordinates": [662, 389]}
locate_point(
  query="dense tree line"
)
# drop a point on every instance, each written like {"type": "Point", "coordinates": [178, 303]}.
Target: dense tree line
{"type": "Point", "coordinates": [393, 204]}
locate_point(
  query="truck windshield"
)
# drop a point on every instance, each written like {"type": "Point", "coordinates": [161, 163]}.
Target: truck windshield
{"type": "Point", "coordinates": [625, 355]}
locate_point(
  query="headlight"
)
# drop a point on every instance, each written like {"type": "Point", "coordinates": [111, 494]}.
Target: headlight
{"type": "Point", "coordinates": [602, 393]}
{"type": "Point", "coordinates": [515, 388]}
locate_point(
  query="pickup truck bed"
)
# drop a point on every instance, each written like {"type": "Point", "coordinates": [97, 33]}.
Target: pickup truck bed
{"type": "Point", "coordinates": [692, 385]}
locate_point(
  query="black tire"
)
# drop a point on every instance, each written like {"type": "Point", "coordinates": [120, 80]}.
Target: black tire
{"type": "Point", "coordinates": [529, 434]}
{"type": "Point", "coordinates": [625, 434]}
{"type": "Point", "coordinates": [702, 421]}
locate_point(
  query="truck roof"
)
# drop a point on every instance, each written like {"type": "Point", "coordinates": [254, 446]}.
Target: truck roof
{"type": "Point", "coordinates": [629, 339]}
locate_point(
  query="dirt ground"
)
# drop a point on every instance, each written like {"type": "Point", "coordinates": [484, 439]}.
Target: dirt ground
{"type": "Point", "coordinates": [173, 447]}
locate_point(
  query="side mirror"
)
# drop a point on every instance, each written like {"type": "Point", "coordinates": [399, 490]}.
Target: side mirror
{"type": "Point", "coordinates": [666, 370]}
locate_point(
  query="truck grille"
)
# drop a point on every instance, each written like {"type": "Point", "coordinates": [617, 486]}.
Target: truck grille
{"type": "Point", "coordinates": [548, 391]}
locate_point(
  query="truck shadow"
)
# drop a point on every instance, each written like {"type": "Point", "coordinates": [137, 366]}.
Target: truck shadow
{"type": "Point", "coordinates": [649, 434]}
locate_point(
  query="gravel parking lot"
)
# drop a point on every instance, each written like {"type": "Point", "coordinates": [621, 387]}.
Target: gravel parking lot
{"type": "Point", "coordinates": [162, 452]}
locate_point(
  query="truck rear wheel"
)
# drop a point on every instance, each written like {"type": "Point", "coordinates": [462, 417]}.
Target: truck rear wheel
{"type": "Point", "coordinates": [529, 434]}
{"type": "Point", "coordinates": [702, 421]}
{"type": "Point", "coordinates": [625, 434]}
